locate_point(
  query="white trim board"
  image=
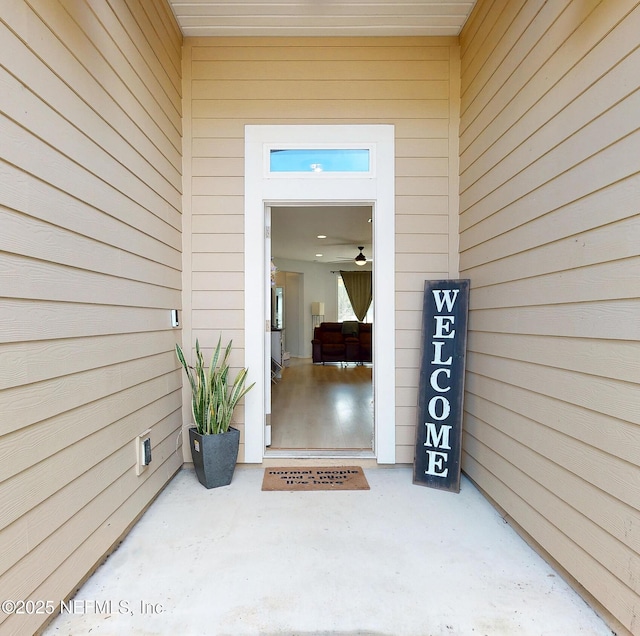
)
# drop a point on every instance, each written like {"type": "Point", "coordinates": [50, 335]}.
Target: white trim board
{"type": "Point", "coordinates": [376, 189]}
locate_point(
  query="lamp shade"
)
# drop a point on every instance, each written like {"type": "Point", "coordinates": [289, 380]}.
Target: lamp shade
{"type": "Point", "coordinates": [317, 309]}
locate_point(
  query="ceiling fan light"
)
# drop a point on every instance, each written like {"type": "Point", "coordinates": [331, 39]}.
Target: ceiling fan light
{"type": "Point", "coordinates": [360, 259]}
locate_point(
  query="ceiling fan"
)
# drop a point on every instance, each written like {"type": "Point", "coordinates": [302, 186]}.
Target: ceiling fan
{"type": "Point", "coordinates": [358, 259]}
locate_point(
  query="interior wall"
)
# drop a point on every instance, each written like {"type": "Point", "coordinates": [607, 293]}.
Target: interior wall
{"type": "Point", "coordinates": [549, 235]}
{"type": "Point", "coordinates": [295, 337]}
{"type": "Point", "coordinates": [319, 285]}
{"type": "Point", "coordinates": [411, 83]}
{"type": "Point", "coordinates": [90, 251]}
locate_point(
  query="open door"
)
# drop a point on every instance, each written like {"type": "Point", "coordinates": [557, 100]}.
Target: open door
{"type": "Point", "coordinates": [269, 370]}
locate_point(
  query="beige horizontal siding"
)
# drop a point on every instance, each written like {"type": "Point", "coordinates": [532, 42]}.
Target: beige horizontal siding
{"type": "Point", "coordinates": [229, 129]}
{"type": "Point", "coordinates": [328, 89]}
{"type": "Point", "coordinates": [65, 247]}
{"type": "Point", "coordinates": [237, 81]}
{"type": "Point", "coordinates": [91, 252]}
{"type": "Point", "coordinates": [262, 71]}
{"type": "Point", "coordinates": [323, 49]}
{"type": "Point", "coordinates": [549, 235]}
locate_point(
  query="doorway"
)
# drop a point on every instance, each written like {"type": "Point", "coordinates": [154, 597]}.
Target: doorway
{"type": "Point", "coordinates": [265, 189]}
{"type": "Point", "coordinates": [315, 406]}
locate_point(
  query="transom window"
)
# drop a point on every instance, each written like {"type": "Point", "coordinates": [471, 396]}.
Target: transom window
{"type": "Point", "coordinates": [319, 160]}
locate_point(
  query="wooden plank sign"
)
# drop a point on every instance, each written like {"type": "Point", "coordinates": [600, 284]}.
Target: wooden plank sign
{"type": "Point", "coordinates": [440, 393]}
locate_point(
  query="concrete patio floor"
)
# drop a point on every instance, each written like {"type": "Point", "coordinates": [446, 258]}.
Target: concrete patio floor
{"type": "Point", "coordinates": [398, 559]}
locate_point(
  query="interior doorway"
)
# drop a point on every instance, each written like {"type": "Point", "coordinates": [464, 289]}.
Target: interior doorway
{"type": "Point", "coordinates": [323, 407]}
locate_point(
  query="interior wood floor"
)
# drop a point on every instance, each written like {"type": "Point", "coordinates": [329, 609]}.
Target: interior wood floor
{"type": "Point", "coordinates": [322, 407]}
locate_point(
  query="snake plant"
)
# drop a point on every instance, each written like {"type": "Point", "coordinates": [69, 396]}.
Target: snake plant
{"type": "Point", "coordinates": [212, 399]}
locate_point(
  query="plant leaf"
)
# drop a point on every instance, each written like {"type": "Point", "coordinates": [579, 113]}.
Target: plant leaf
{"type": "Point", "coordinates": [212, 400]}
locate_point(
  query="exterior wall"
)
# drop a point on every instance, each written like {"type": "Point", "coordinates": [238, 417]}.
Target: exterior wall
{"type": "Point", "coordinates": [90, 252]}
{"type": "Point", "coordinates": [549, 236]}
{"type": "Point", "coordinates": [230, 82]}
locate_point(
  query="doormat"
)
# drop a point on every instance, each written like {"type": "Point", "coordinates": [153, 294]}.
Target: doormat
{"type": "Point", "coordinates": [315, 478]}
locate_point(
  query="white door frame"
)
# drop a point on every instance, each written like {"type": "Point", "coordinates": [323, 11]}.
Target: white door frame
{"type": "Point", "coordinates": [376, 188]}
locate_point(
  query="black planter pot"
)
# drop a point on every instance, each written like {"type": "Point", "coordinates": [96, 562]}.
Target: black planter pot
{"type": "Point", "coordinates": [214, 456]}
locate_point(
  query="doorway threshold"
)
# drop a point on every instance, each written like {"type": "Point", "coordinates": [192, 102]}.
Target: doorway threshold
{"type": "Point", "coordinates": [303, 453]}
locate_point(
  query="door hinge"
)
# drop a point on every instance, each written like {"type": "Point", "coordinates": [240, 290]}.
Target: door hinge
{"type": "Point", "coordinates": [267, 325]}
{"type": "Point", "coordinates": [267, 231]}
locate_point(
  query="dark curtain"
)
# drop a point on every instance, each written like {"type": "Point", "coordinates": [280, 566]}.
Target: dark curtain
{"type": "Point", "coordinates": [359, 290]}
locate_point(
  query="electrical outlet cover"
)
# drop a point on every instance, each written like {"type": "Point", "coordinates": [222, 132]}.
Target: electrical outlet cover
{"type": "Point", "coordinates": [142, 456]}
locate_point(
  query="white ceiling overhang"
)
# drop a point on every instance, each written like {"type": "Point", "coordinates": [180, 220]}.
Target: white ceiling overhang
{"type": "Point", "coordinates": [321, 17]}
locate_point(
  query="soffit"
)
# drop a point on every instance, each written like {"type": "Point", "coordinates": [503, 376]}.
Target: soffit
{"type": "Point", "coordinates": [321, 17]}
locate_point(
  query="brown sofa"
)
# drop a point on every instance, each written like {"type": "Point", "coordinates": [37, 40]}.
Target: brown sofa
{"type": "Point", "coordinates": [342, 342]}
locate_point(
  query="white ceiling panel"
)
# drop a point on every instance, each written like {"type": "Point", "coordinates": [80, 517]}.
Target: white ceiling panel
{"type": "Point", "coordinates": [321, 17]}
{"type": "Point", "coordinates": [295, 231]}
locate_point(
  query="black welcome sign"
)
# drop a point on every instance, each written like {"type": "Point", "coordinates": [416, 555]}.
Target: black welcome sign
{"type": "Point", "coordinates": [444, 342]}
